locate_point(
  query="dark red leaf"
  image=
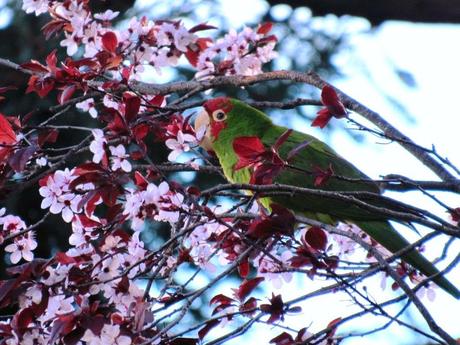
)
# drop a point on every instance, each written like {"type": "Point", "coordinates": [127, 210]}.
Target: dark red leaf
{"type": "Point", "coordinates": [140, 131]}
{"type": "Point", "coordinates": [275, 308]}
{"type": "Point", "coordinates": [322, 176]}
{"type": "Point", "coordinates": [7, 135]}
{"type": "Point", "coordinates": [283, 339]}
{"type": "Point", "coordinates": [249, 306]}
{"type": "Point", "coordinates": [265, 28]}
{"type": "Point", "coordinates": [61, 326]}
{"type": "Point", "coordinates": [333, 325]}
{"type": "Point", "coordinates": [330, 99]}
{"type": "Point", "coordinates": [248, 147]}
{"type": "Point", "coordinates": [316, 237]}
{"type": "Point", "coordinates": [66, 94]}
{"type": "Point", "coordinates": [221, 299]}
{"type": "Point", "coordinates": [282, 139]}
{"type": "Point", "coordinates": [132, 105]}
{"type": "Point", "coordinates": [205, 330]}
{"type": "Point", "coordinates": [63, 258]}
{"type": "Point", "coordinates": [140, 180]}
{"type": "Point", "coordinates": [243, 269]}
{"type": "Point", "coordinates": [249, 151]}
{"type": "Point", "coordinates": [192, 56]}
{"type": "Point", "coordinates": [246, 288]}
{"type": "Point", "coordinates": [47, 136]}
{"type": "Point", "coordinates": [202, 27]}
{"type": "Point", "coordinates": [109, 195]}
{"type": "Point", "coordinates": [34, 66]}
{"type": "Point", "coordinates": [87, 222]}
{"type": "Point", "coordinates": [110, 41]}
{"type": "Point", "coordinates": [322, 119]}
{"type": "Point", "coordinates": [21, 320]}
{"type": "Point", "coordinates": [51, 61]}
{"type": "Point", "coordinates": [455, 214]}
{"type": "Point", "coordinates": [281, 221]}
{"type": "Point", "coordinates": [19, 159]}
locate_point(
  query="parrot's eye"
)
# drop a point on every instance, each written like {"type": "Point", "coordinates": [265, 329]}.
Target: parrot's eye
{"type": "Point", "coordinates": [219, 115]}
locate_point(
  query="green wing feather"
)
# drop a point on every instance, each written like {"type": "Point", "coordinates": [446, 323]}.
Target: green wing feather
{"type": "Point", "coordinates": [244, 120]}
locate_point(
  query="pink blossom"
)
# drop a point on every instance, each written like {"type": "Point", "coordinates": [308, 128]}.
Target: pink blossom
{"type": "Point", "coordinates": [33, 295]}
{"type": "Point", "coordinates": [110, 335]}
{"type": "Point", "coordinates": [107, 15]}
{"type": "Point", "coordinates": [36, 6]}
{"type": "Point", "coordinates": [273, 270]}
{"type": "Point", "coordinates": [179, 145]}
{"type": "Point", "coordinates": [82, 235]}
{"type": "Point", "coordinates": [41, 161]}
{"type": "Point", "coordinates": [118, 158]}
{"type": "Point", "coordinates": [57, 305]}
{"type": "Point", "coordinates": [12, 224]}
{"type": "Point", "coordinates": [87, 105]}
{"type": "Point", "coordinates": [97, 146]}
{"type": "Point", "coordinates": [22, 248]}
{"type": "Point", "coordinates": [67, 204]}
{"type": "Point", "coordinates": [70, 43]}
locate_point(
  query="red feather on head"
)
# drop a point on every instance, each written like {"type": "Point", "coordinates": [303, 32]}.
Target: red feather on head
{"type": "Point", "coordinates": [219, 103]}
{"type": "Point", "coordinates": [223, 103]}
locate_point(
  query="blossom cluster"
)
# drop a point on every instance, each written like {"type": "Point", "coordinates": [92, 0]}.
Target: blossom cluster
{"type": "Point", "coordinates": [159, 44]}
{"type": "Point", "coordinates": [23, 239]}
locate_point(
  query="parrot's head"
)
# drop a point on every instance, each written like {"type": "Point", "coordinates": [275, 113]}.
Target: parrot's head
{"type": "Point", "coordinates": [224, 116]}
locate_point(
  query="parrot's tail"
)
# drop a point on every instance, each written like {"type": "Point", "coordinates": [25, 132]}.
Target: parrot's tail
{"type": "Point", "coordinates": [387, 236]}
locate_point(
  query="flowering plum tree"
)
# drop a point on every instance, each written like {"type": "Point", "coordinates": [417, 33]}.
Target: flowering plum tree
{"type": "Point", "coordinates": [109, 287]}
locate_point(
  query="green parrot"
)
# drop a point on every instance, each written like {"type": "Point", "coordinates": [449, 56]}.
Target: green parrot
{"type": "Point", "coordinates": [228, 119]}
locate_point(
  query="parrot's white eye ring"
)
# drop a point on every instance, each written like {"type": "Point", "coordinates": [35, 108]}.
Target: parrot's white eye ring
{"type": "Point", "coordinates": [219, 115]}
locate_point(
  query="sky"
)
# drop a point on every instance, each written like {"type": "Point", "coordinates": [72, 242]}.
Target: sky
{"type": "Point", "coordinates": [426, 57]}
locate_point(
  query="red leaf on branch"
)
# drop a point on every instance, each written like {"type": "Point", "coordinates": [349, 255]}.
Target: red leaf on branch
{"type": "Point", "coordinates": [47, 136]}
{"type": "Point", "coordinates": [283, 339]}
{"type": "Point", "coordinates": [249, 306]}
{"type": "Point", "coordinates": [21, 320]}
{"type": "Point", "coordinates": [266, 163]}
{"type": "Point", "coordinates": [322, 119]}
{"type": "Point", "coordinates": [275, 308]}
{"type": "Point", "coordinates": [265, 28]}
{"type": "Point", "coordinates": [243, 269]}
{"type": "Point", "coordinates": [246, 288]}
{"type": "Point", "coordinates": [281, 221]}
{"type": "Point", "coordinates": [334, 107]}
{"type": "Point", "coordinates": [66, 94]}
{"type": "Point", "coordinates": [207, 328]}
{"type": "Point", "coordinates": [333, 325]}
{"type": "Point", "coordinates": [316, 237]}
{"type": "Point", "coordinates": [34, 66]}
{"type": "Point", "coordinates": [282, 139]}
{"type": "Point", "coordinates": [322, 176]}
{"type": "Point", "coordinates": [7, 135]}
{"type": "Point", "coordinates": [202, 27]}
{"type": "Point", "coordinates": [221, 300]}
{"type": "Point", "coordinates": [332, 102]}
{"type": "Point", "coordinates": [110, 41]}
{"type": "Point", "coordinates": [248, 150]}
{"type": "Point", "coordinates": [132, 105]}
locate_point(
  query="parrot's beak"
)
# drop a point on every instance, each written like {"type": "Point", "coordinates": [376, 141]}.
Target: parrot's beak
{"type": "Point", "coordinates": [202, 124]}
